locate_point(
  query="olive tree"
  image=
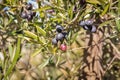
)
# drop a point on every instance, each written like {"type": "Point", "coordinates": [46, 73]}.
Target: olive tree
{"type": "Point", "coordinates": [59, 39]}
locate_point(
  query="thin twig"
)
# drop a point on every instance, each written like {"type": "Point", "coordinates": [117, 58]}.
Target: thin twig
{"type": "Point", "coordinates": [117, 55]}
{"type": "Point", "coordinates": [110, 64]}
{"type": "Point", "coordinates": [78, 48]}
{"type": "Point", "coordinates": [116, 49]}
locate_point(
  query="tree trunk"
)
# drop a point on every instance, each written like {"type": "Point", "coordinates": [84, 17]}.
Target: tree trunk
{"type": "Point", "coordinates": [92, 69]}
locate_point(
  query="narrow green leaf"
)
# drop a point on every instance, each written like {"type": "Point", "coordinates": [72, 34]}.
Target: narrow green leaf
{"type": "Point", "coordinates": [38, 41]}
{"type": "Point", "coordinates": [102, 1]}
{"type": "Point", "coordinates": [118, 7]}
{"type": "Point", "coordinates": [105, 23]}
{"type": "Point", "coordinates": [70, 11]}
{"type": "Point", "coordinates": [10, 49]}
{"type": "Point", "coordinates": [105, 9]}
{"type": "Point", "coordinates": [17, 51]}
{"type": "Point", "coordinates": [36, 52]}
{"type": "Point", "coordinates": [74, 38]}
{"type": "Point", "coordinates": [40, 30]}
{"type": "Point", "coordinates": [30, 34]}
{"type": "Point", "coordinates": [118, 24]}
{"type": "Point", "coordinates": [93, 1]}
{"type": "Point", "coordinates": [44, 64]}
{"type": "Point", "coordinates": [61, 15]}
{"type": "Point", "coordinates": [43, 8]}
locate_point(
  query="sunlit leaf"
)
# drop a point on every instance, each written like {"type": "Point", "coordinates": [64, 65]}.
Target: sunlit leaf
{"type": "Point", "coordinates": [44, 64]}
{"type": "Point", "coordinates": [93, 1]}
{"type": "Point", "coordinates": [30, 34]}
{"type": "Point", "coordinates": [36, 52]}
{"type": "Point", "coordinates": [61, 15]}
{"type": "Point", "coordinates": [40, 30]}
{"type": "Point", "coordinates": [16, 56]}
{"type": "Point", "coordinates": [105, 9]}
{"type": "Point", "coordinates": [118, 24]}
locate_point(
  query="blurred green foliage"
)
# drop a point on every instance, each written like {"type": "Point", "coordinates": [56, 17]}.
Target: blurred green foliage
{"type": "Point", "coordinates": [26, 51]}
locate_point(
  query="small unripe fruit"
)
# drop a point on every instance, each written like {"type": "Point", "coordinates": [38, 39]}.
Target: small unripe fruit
{"type": "Point", "coordinates": [59, 36]}
{"type": "Point", "coordinates": [59, 28]}
{"type": "Point", "coordinates": [63, 47]}
{"type": "Point", "coordinates": [54, 41]}
{"type": "Point", "coordinates": [29, 6]}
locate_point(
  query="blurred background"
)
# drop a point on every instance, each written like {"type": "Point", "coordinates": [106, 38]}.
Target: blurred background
{"type": "Point", "coordinates": [27, 28]}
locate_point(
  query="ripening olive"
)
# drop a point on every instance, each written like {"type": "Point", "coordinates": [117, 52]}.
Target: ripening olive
{"type": "Point", "coordinates": [93, 28]}
{"type": "Point", "coordinates": [29, 6]}
{"type": "Point", "coordinates": [24, 15]}
{"type": "Point", "coordinates": [59, 28]}
{"type": "Point", "coordinates": [59, 36]}
{"type": "Point", "coordinates": [63, 47]}
{"type": "Point", "coordinates": [54, 41]}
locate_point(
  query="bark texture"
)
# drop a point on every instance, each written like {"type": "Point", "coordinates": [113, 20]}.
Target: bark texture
{"type": "Point", "coordinates": [92, 69]}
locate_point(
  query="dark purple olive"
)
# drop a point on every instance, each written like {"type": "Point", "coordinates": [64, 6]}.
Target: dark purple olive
{"type": "Point", "coordinates": [29, 17]}
{"type": "Point", "coordinates": [6, 8]}
{"type": "Point", "coordinates": [86, 27]}
{"type": "Point", "coordinates": [59, 36]}
{"type": "Point", "coordinates": [24, 15]}
{"type": "Point", "coordinates": [54, 41]}
{"type": "Point", "coordinates": [93, 29]}
{"type": "Point", "coordinates": [19, 32]}
{"type": "Point", "coordinates": [31, 13]}
{"type": "Point", "coordinates": [65, 34]}
{"type": "Point", "coordinates": [82, 23]}
{"type": "Point", "coordinates": [34, 13]}
{"type": "Point", "coordinates": [75, 8]}
{"type": "Point", "coordinates": [59, 28]}
{"type": "Point", "coordinates": [88, 22]}
{"type": "Point", "coordinates": [29, 6]}
{"type": "Point", "coordinates": [82, 3]}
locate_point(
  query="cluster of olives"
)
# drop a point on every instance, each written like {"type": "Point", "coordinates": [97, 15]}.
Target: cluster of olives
{"type": "Point", "coordinates": [88, 25]}
{"type": "Point", "coordinates": [27, 12]}
{"type": "Point", "coordinates": [60, 36]}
